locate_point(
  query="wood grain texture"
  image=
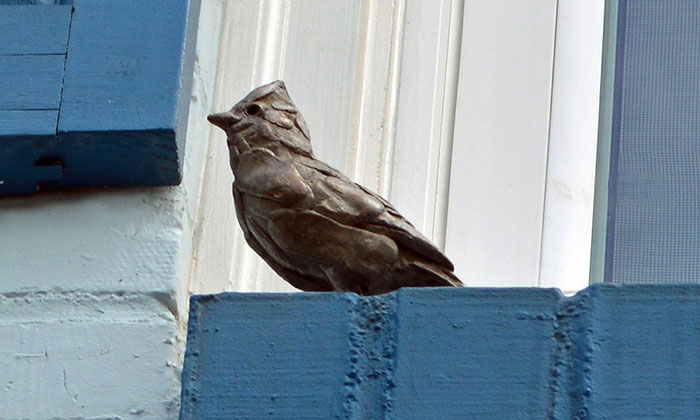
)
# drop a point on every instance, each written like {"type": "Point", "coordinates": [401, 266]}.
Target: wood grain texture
{"type": "Point", "coordinates": [123, 67]}
{"type": "Point", "coordinates": [27, 122]}
{"type": "Point", "coordinates": [25, 135]}
{"type": "Point", "coordinates": [608, 352]}
{"type": "Point", "coordinates": [121, 120]}
{"type": "Point", "coordinates": [32, 60]}
{"type": "Point", "coordinates": [31, 82]}
{"type": "Point", "coordinates": [21, 167]}
{"type": "Point", "coordinates": [116, 158]}
{"type": "Point", "coordinates": [34, 30]}
{"type": "Point", "coordinates": [109, 101]}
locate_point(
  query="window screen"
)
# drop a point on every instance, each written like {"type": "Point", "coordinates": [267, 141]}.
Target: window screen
{"type": "Point", "coordinates": [654, 196]}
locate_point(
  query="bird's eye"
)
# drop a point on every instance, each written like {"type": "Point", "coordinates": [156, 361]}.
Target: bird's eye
{"type": "Point", "coordinates": [252, 110]}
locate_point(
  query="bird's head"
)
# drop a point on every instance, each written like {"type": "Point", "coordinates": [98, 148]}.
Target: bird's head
{"type": "Point", "coordinates": [267, 118]}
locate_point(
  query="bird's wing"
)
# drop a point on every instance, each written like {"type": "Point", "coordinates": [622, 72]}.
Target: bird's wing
{"type": "Point", "coordinates": [260, 242]}
{"type": "Point", "coordinates": [351, 203]}
{"type": "Point", "coordinates": [405, 234]}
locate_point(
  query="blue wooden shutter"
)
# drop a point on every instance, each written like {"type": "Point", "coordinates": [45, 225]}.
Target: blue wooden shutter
{"type": "Point", "coordinates": [94, 93]}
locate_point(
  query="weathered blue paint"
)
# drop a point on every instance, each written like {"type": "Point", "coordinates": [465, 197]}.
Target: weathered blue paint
{"type": "Point", "coordinates": [123, 69]}
{"type": "Point", "coordinates": [31, 82]}
{"type": "Point", "coordinates": [644, 352]}
{"type": "Point", "coordinates": [273, 353]}
{"type": "Point", "coordinates": [113, 76]}
{"type": "Point", "coordinates": [32, 59]}
{"type": "Point", "coordinates": [33, 2]}
{"type": "Point", "coordinates": [124, 158]}
{"type": "Point", "coordinates": [610, 352]}
{"type": "Point", "coordinates": [34, 30]}
{"type": "Point", "coordinates": [21, 123]}
{"type": "Point", "coordinates": [474, 353]}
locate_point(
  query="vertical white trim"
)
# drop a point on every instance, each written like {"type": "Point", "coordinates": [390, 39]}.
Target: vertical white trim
{"type": "Point", "coordinates": [571, 165]}
{"type": "Point", "coordinates": [373, 111]}
{"type": "Point", "coordinates": [353, 165]}
{"type": "Point", "coordinates": [602, 177]}
{"type": "Point", "coordinates": [447, 125]}
{"type": "Point", "coordinates": [549, 135]}
{"type": "Point", "coordinates": [386, 161]}
{"type": "Point", "coordinates": [269, 47]}
{"type": "Point", "coordinates": [442, 107]}
{"type": "Point", "coordinates": [500, 142]}
{"type": "Point", "coordinates": [423, 116]}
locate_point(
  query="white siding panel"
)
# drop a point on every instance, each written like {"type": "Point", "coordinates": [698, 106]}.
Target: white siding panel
{"type": "Point", "coordinates": [566, 239]}
{"type": "Point", "coordinates": [376, 89]}
{"type": "Point", "coordinates": [495, 212]}
{"type": "Point", "coordinates": [319, 55]}
{"type": "Point", "coordinates": [220, 251]}
{"type": "Point", "coordinates": [426, 99]}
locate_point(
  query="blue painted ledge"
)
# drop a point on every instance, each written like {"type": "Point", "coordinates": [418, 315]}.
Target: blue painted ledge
{"type": "Point", "coordinates": [94, 93]}
{"type": "Point", "coordinates": [610, 352]}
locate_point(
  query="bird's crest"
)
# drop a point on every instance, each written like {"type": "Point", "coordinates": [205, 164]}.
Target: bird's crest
{"type": "Point", "coordinates": [275, 94]}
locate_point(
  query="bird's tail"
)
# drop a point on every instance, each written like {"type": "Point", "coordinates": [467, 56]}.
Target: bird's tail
{"type": "Point", "coordinates": [429, 275]}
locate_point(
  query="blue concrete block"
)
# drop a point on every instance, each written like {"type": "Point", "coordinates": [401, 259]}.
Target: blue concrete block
{"type": "Point", "coordinates": [610, 352]}
{"type": "Point", "coordinates": [259, 356]}
{"type": "Point", "coordinates": [33, 30]}
{"type": "Point", "coordinates": [474, 353]}
{"type": "Point", "coordinates": [643, 344]}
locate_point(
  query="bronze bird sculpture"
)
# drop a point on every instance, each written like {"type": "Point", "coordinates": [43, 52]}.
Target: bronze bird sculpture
{"type": "Point", "coordinates": [315, 227]}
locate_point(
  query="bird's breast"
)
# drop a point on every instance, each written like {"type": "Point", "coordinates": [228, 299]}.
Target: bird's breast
{"type": "Point", "coordinates": [261, 174]}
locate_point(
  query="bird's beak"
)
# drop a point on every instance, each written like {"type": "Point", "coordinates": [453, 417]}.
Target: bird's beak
{"type": "Point", "coordinates": [223, 120]}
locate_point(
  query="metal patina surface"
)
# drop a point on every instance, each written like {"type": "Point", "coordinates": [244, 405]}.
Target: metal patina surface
{"type": "Point", "coordinates": [315, 227]}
